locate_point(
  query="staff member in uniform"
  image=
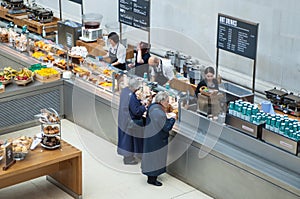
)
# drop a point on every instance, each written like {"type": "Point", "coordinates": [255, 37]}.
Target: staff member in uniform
{"type": "Point", "coordinates": [160, 72]}
{"type": "Point", "coordinates": [209, 87]}
{"type": "Point", "coordinates": [156, 135]}
{"type": "Point", "coordinates": [141, 60]}
{"type": "Point", "coordinates": [209, 81]}
{"type": "Point", "coordinates": [116, 52]}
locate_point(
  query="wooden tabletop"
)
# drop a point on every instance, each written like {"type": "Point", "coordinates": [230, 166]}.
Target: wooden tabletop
{"type": "Point", "coordinates": [63, 164]}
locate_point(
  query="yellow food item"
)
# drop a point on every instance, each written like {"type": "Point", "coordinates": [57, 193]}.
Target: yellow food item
{"type": "Point", "coordinates": [107, 72]}
{"type": "Point", "coordinates": [38, 54]}
{"type": "Point", "coordinates": [105, 84]}
{"type": "Point", "coordinates": [39, 44]}
{"type": "Point", "coordinates": [47, 72]}
{"type": "Point", "coordinates": [47, 47]}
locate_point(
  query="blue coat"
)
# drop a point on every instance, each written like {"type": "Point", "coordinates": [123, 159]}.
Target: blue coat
{"type": "Point", "coordinates": [128, 145]}
{"type": "Point", "coordinates": [156, 141]}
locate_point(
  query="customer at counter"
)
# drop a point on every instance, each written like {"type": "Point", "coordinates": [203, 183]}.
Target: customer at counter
{"type": "Point", "coordinates": [116, 52]}
{"type": "Point", "coordinates": [209, 82]}
{"type": "Point", "coordinates": [127, 143]}
{"type": "Point", "coordinates": [156, 135]}
{"type": "Point", "coordinates": [136, 127]}
{"type": "Point", "coordinates": [161, 71]}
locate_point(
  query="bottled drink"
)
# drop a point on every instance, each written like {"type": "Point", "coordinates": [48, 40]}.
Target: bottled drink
{"type": "Point", "coordinates": [272, 126]}
{"type": "Point", "coordinates": [231, 108]}
{"type": "Point", "coordinates": [145, 77]}
{"type": "Point", "coordinates": [167, 86]}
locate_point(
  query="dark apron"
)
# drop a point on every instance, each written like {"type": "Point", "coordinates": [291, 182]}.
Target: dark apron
{"type": "Point", "coordinates": [160, 78]}
{"type": "Point", "coordinates": [113, 59]}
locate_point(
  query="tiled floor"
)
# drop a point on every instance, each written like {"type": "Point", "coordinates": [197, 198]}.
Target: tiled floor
{"type": "Point", "coordinates": [104, 175]}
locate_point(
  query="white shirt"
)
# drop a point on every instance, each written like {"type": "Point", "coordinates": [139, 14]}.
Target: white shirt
{"type": "Point", "coordinates": [121, 52]}
{"type": "Point", "coordinates": [166, 67]}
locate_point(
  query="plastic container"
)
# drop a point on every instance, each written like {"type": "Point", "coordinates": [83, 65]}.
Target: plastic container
{"type": "Point", "coordinates": [92, 20]}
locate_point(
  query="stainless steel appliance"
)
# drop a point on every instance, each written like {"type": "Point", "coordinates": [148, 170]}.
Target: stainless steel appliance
{"type": "Point", "coordinates": [196, 73]}
{"type": "Point", "coordinates": [91, 30]}
{"type": "Point", "coordinates": [68, 32]}
{"type": "Point", "coordinates": [276, 97]}
{"type": "Point", "coordinates": [292, 104]}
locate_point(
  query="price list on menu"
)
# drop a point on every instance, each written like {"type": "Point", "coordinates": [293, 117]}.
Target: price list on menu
{"type": "Point", "coordinates": [135, 13]}
{"type": "Point", "coordinates": [237, 36]}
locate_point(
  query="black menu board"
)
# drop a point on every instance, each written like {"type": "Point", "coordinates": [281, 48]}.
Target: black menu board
{"type": "Point", "coordinates": [135, 13]}
{"type": "Point", "coordinates": [237, 36]}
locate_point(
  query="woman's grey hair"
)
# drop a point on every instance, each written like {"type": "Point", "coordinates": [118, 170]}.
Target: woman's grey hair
{"type": "Point", "coordinates": [161, 96]}
{"type": "Point", "coordinates": [134, 84]}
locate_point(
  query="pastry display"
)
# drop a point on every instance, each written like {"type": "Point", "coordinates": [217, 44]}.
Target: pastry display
{"type": "Point", "coordinates": [93, 79]}
{"type": "Point", "coordinates": [79, 51]}
{"type": "Point", "coordinates": [50, 142]}
{"type": "Point", "coordinates": [48, 58]}
{"type": "Point", "coordinates": [51, 130]}
{"type": "Point", "coordinates": [21, 146]}
{"type": "Point", "coordinates": [49, 116]}
{"type": "Point", "coordinates": [4, 35]}
{"type": "Point", "coordinates": [81, 71]}
{"type": "Point", "coordinates": [39, 44]}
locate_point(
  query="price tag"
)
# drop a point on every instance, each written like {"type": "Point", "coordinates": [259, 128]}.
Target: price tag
{"type": "Point", "coordinates": [8, 155]}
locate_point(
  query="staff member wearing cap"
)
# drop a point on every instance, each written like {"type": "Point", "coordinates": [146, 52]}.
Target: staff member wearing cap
{"type": "Point", "coordinates": [161, 72]}
{"type": "Point", "coordinates": [116, 52]}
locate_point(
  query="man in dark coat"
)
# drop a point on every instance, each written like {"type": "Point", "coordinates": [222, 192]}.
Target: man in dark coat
{"type": "Point", "coordinates": [156, 139]}
{"type": "Point", "coordinates": [126, 141]}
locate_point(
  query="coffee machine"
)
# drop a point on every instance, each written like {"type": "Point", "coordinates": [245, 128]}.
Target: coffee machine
{"type": "Point", "coordinates": [91, 30]}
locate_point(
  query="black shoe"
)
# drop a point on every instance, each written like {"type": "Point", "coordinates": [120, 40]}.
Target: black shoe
{"type": "Point", "coordinates": [155, 183]}
{"type": "Point", "coordinates": [131, 162]}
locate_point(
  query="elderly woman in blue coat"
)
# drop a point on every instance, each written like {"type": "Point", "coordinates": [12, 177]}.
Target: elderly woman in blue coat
{"type": "Point", "coordinates": [156, 139]}
{"type": "Point", "coordinates": [130, 142]}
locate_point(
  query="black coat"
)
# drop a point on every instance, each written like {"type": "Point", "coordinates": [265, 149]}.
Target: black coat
{"type": "Point", "coordinates": [125, 141]}
{"type": "Point", "coordinates": [156, 141]}
{"type": "Point", "coordinates": [129, 108]}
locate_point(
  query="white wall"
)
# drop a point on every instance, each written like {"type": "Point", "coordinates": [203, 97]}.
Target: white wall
{"type": "Point", "coordinates": [190, 26]}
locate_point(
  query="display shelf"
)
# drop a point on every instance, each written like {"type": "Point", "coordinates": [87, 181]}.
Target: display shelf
{"type": "Point", "coordinates": [281, 141]}
{"type": "Point", "coordinates": [244, 126]}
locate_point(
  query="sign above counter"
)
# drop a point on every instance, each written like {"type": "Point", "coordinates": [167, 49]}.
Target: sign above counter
{"type": "Point", "coordinates": [135, 13]}
{"type": "Point", "coordinates": [237, 36]}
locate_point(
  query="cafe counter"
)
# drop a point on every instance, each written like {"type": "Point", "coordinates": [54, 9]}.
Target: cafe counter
{"type": "Point", "coordinates": [215, 158]}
